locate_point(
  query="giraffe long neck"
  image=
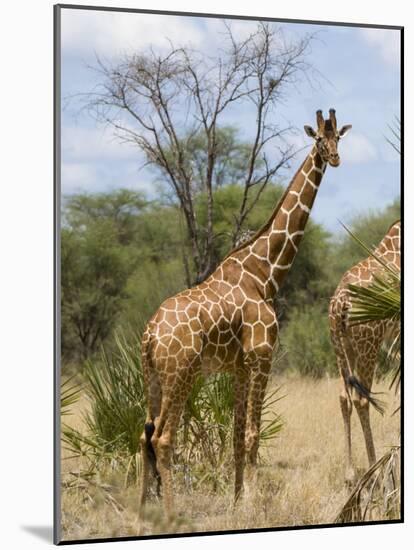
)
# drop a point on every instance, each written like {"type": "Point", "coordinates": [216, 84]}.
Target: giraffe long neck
{"type": "Point", "coordinates": [389, 247]}
{"type": "Point", "coordinates": [273, 251]}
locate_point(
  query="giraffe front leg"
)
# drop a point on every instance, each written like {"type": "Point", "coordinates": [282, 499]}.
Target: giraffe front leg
{"type": "Point", "coordinates": [259, 339]}
{"type": "Point", "coordinates": [241, 388]}
{"type": "Point", "coordinates": [258, 383]}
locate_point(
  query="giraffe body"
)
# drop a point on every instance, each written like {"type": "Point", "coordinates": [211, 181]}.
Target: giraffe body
{"type": "Point", "coordinates": [357, 347]}
{"type": "Point", "coordinates": [228, 323]}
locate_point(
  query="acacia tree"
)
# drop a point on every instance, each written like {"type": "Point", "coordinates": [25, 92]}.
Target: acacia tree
{"type": "Point", "coordinates": [98, 255]}
{"type": "Point", "coordinates": [163, 102]}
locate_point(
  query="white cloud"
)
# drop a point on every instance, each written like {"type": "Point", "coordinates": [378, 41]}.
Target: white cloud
{"type": "Point", "coordinates": [386, 41]}
{"type": "Point", "coordinates": [240, 28]}
{"type": "Point", "coordinates": [299, 139]}
{"type": "Point", "coordinates": [80, 144]}
{"type": "Point", "coordinates": [110, 33]}
{"type": "Point", "coordinates": [356, 148]}
{"type": "Point", "coordinates": [77, 176]}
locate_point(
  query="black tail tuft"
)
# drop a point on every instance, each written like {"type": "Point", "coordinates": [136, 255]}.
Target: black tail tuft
{"type": "Point", "coordinates": [149, 430]}
{"type": "Point", "coordinates": [368, 395]}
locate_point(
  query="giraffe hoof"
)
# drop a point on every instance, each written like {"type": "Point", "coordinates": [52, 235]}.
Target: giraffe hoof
{"type": "Point", "coordinates": [350, 478]}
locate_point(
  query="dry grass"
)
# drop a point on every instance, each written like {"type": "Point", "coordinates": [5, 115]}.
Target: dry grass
{"type": "Point", "coordinates": [300, 480]}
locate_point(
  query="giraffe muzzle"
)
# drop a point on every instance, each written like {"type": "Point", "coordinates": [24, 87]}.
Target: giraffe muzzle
{"type": "Point", "coordinates": [334, 160]}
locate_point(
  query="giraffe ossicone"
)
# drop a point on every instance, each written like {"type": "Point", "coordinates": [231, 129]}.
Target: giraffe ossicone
{"type": "Point", "coordinates": [357, 347]}
{"type": "Point", "coordinates": [228, 323]}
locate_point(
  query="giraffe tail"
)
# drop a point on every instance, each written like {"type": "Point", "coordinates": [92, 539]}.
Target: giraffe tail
{"type": "Point", "coordinates": [153, 391]}
{"type": "Point", "coordinates": [366, 393]}
{"type": "Point", "coordinates": [149, 429]}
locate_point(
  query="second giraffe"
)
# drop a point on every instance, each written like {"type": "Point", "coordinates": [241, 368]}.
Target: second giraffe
{"type": "Point", "coordinates": [357, 347]}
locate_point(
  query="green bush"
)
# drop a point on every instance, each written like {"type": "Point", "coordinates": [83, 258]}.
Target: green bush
{"type": "Point", "coordinates": [307, 343]}
{"type": "Point", "coordinates": [115, 419]}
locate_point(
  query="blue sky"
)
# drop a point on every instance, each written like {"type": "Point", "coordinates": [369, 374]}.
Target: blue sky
{"type": "Point", "coordinates": [362, 82]}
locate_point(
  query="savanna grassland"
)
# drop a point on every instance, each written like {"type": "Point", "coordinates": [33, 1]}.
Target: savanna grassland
{"type": "Point", "coordinates": [122, 255]}
{"type": "Point", "coordinates": [300, 478]}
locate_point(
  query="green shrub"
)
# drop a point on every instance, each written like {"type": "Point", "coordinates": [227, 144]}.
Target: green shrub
{"type": "Point", "coordinates": [307, 344]}
{"type": "Point", "coordinates": [115, 420]}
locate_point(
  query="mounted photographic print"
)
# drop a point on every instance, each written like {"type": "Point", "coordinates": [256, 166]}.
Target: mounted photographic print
{"type": "Point", "coordinates": [228, 311]}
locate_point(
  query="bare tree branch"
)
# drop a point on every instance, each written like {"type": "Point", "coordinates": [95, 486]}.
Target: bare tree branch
{"type": "Point", "coordinates": [167, 105]}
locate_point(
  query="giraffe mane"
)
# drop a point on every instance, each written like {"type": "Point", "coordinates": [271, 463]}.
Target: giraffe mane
{"type": "Point", "coordinates": [269, 222]}
{"type": "Point", "coordinates": [393, 223]}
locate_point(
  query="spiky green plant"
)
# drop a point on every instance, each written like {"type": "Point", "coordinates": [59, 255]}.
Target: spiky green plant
{"type": "Point", "coordinates": [114, 388]}
{"type": "Point", "coordinates": [69, 395]}
{"type": "Point", "coordinates": [205, 437]}
{"type": "Point", "coordinates": [116, 392]}
{"type": "Point", "coordinates": [207, 425]}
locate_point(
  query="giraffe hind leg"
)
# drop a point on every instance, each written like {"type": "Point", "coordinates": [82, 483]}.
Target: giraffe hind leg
{"type": "Point", "coordinates": [345, 364]}
{"type": "Point", "coordinates": [346, 410]}
{"type": "Point", "coordinates": [356, 365]}
{"type": "Point", "coordinates": [241, 388]}
{"type": "Point", "coordinates": [362, 404]}
{"type": "Point", "coordinates": [149, 430]}
{"type": "Point", "coordinates": [166, 425]}
{"type": "Point", "coordinates": [154, 396]}
{"type": "Point", "coordinates": [258, 382]}
{"type": "Point", "coordinates": [149, 462]}
{"type": "Point", "coordinates": [362, 408]}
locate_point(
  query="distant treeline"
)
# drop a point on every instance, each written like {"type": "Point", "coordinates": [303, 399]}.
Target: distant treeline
{"type": "Point", "coordinates": [122, 255]}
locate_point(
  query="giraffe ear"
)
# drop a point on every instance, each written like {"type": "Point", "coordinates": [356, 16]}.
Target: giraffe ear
{"type": "Point", "coordinates": [344, 130]}
{"type": "Point", "coordinates": [310, 131]}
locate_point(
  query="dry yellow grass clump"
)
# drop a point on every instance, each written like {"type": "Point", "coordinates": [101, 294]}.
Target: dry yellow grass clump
{"type": "Point", "coordinates": [300, 479]}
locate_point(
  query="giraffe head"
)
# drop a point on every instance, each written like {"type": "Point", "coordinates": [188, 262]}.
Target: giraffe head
{"type": "Point", "coordinates": [327, 136]}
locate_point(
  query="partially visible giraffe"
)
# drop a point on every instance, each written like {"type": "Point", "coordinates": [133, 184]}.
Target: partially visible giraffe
{"type": "Point", "coordinates": [227, 323]}
{"type": "Point", "coordinates": [357, 346]}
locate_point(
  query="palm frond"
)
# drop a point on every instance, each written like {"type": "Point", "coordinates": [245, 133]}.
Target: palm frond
{"type": "Point", "coordinates": [272, 422]}
{"type": "Point", "coordinates": [69, 395]}
{"type": "Point", "coordinates": [377, 493]}
{"type": "Point", "coordinates": [381, 300]}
